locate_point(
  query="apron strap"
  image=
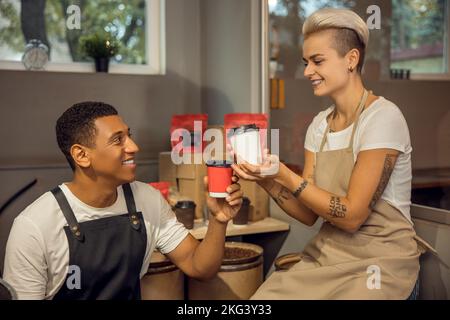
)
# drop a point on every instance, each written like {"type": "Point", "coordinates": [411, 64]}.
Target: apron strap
{"type": "Point", "coordinates": [67, 211]}
{"type": "Point", "coordinates": [131, 206]}
{"type": "Point", "coordinates": [358, 112]}
{"type": "Point", "coordinates": [324, 138]}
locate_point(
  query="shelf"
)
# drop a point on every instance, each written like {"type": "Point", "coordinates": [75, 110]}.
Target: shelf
{"type": "Point", "coordinates": [263, 226]}
{"type": "Point", "coordinates": [431, 178]}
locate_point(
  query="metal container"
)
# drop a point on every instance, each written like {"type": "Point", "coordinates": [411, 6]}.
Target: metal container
{"type": "Point", "coordinates": [163, 281]}
{"type": "Point", "coordinates": [185, 213]}
{"type": "Point", "coordinates": [241, 217]}
{"type": "Point", "coordinates": [240, 275]}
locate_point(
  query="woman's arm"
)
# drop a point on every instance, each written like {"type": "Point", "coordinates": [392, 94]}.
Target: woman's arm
{"type": "Point", "coordinates": [288, 203]}
{"type": "Point", "coordinates": [283, 197]}
{"type": "Point", "coordinates": [369, 178]}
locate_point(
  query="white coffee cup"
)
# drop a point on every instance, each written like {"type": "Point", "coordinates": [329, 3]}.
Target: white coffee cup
{"type": "Point", "coordinates": [246, 144]}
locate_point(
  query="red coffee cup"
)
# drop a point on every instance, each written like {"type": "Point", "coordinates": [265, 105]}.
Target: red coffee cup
{"type": "Point", "coordinates": [219, 178]}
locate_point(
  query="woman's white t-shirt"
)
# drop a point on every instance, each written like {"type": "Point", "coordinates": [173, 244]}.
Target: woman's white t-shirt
{"type": "Point", "coordinates": [381, 125]}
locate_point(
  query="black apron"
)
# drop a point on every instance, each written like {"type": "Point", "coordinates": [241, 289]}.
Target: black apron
{"type": "Point", "coordinates": [105, 254]}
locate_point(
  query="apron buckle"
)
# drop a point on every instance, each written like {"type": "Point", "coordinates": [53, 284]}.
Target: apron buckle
{"type": "Point", "coordinates": [76, 232]}
{"type": "Point", "coordinates": [135, 222]}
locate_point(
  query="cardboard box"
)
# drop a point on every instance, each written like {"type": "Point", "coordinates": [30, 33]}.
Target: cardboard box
{"type": "Point", "coordinates": [259, 200]}
{"type": "Point", "coordinates": [214, 146]}
{"type": "Point", "coordinates": [190, 184]}
{"type": "Point", "coordinates": [187, 178]}
{"type": "Point", "coordinates": [167, 170]}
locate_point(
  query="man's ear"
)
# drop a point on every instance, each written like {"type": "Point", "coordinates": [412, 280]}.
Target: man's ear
{"type": "Point", "coordinates": [80, 155]}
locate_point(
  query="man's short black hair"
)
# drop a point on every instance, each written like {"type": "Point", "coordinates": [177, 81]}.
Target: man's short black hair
{"type": "Point", "coordinates": [77, 126]}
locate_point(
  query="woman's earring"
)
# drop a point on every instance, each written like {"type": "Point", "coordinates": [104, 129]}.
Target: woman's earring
{"type": "Point", "coordinates": [350, 69]}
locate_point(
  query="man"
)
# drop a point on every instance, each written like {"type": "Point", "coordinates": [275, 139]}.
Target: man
{"type": "Point", "coordinates": [92, 238]}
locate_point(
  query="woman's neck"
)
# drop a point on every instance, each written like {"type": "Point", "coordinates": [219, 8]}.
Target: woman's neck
{"type": "Point", "coordinates": [348, 99]}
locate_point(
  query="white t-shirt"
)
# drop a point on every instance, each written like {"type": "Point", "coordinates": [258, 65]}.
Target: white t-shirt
{"type": "Point", "coordinates": [37, 252]}
{"type": "Point", "coordinates": [381, 125]}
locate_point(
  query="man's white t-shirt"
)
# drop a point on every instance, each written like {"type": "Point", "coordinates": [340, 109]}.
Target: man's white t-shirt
{"type": "Point", "coordinates": [37, 252]}
{"type": "Point", "coordinates": [380, 126]}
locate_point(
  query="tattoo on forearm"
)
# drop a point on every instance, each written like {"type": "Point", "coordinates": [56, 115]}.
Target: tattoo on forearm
{"type": "Point", "coordinates": [269, 189]}
{"type": "Point", "coordinates": [337, 208]}
{"type": "Point", "coordinates": [282, 196]}
{"type": "Point", "coordinates": [388, 167]}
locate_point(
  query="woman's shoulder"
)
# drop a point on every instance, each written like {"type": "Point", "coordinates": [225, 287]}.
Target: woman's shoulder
{"type": "Point", "coordinates": [382, 106]}
{"type": "Point", "coordinates": [383, 124]}
{"type": "Point", "coordinates": [383, 111]}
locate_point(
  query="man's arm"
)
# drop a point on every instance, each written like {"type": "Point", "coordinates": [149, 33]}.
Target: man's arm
{"type": "Point", "coordinates": [25, 267]}
{"type": "Point", "coordinates": [202, 260]}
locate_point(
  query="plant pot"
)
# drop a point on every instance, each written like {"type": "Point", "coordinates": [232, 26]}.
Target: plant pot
{"type": "Point", "coordinates": [101, 64]}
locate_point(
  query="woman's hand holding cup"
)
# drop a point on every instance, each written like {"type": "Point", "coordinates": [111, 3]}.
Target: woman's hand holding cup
{"type": "Point", "coordinates": [269, 169]}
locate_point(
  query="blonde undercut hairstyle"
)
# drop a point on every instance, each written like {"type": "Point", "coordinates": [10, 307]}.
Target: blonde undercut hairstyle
{"type": "Point", "coordinates": [350, 31]}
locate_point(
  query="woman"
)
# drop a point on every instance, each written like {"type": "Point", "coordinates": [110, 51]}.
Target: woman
{"type": "Point", "coordinates": [356, 177]}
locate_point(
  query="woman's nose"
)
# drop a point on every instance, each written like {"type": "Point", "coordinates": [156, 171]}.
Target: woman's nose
{"type": "Point", "coordinates": [308, 70]}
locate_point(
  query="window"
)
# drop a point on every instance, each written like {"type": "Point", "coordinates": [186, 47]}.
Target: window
{"type": "Point", "coordinates": [414, 35]}
{"type": "Point", "coordinates": [286, 19]}
{"type": "Point", "coordinates": [419, 36]}
{"type": "Point", "coordinates": [136, 24]}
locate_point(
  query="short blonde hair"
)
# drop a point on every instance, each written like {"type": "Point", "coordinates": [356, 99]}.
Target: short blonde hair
{"type": "Point", "coordinates": [351, 31]}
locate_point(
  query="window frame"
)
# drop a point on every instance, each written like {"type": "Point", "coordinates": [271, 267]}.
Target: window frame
{"type": "Point", "coordinates": [155, 50]}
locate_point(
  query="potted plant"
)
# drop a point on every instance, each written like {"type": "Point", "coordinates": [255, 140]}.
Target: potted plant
{"type": "Point", "coordinates": [101, 47]}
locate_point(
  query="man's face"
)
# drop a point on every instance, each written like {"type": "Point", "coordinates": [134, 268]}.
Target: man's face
{"type": "Point", "coordinates": [112, 158]}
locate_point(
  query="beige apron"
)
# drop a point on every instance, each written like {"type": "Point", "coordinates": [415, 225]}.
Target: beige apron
{"type": "Point", "coordinates": [379, 261]}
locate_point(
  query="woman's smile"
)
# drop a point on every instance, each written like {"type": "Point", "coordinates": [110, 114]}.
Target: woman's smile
{"type": "Point", "coordinates": [316, 83]}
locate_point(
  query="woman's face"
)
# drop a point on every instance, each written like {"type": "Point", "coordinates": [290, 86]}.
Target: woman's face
{"type": "Point", "coordinates": [327, 71]}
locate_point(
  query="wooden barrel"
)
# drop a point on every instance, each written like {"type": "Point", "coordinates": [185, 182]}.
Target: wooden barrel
{"type": "Point", "coordinates": [240, 275]}
{"type": "Point", "coordinates": [285, 262]}
{"type": "Point", "coordinates": [163, 281]}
